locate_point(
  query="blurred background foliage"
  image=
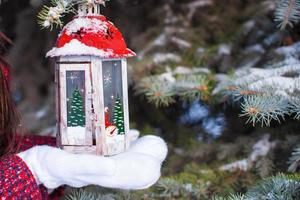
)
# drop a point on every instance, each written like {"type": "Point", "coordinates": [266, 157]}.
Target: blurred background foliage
{"type": "Point", "coordinates": [192, 84]}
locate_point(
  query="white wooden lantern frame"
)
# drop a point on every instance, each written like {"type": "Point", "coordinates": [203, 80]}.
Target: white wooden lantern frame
{"type": "Point", "coordinates": [94, 106]}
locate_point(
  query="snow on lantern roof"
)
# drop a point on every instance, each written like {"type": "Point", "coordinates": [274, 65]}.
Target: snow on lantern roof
{"type": "Point", "coordinates": [91, 35]}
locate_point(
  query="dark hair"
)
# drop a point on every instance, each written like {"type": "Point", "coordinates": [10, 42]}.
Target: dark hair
{"type": "Point", "coordinates": [9, 118]}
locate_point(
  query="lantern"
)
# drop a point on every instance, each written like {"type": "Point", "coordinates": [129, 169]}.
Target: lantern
{"type": "Point", "coordinates": [91, 85]}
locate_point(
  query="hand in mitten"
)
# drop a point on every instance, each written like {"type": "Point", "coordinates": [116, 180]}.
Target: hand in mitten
{"type": "Point", "coordinates": [137, 168]}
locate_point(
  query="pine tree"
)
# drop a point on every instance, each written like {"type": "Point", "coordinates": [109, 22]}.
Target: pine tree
{"type": "Point", "coordinates": [76, 116]}
{"type": "Point", "coordinates": [119, 116]}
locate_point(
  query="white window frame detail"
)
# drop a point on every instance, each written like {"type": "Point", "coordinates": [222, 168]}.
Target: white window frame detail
{"type": "Point", "coordinates": [102, 147]}
{"type": "Point", "coordinates": [63, 68]}
{"type": "Point", "coordinates": [125, 100]}
{"type": "Point", "coordinates": [99, 123]}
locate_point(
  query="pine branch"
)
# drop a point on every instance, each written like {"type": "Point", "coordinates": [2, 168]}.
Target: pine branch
{"type": "Point", "coordinates": [295, 107]}
{"type": "Point", "coordinates": [264, 109]}
{"type": "Point", "coordinates": [51, 16]}
{"type": "Point", "coordinates": [260, 149]}
{"type": "Point", "coordinates": [80, 194]}
{"type": "Point", "coordinates": [99, 193]}
{"type": "Point", "coordinates": [188, 85]}
{"type": "Point", "coordinates": [160, 92]}
{"type": "Point", "coordinates": [266, 94]}
{"type": "Point", "coordinates": [170, 188]}
{"type": "Point", "coordinates": [287, 13]}
{"type": "Point", "coordinates": [284, 85]}
{"type": "Point", "coordinates": [294, 160]}
{"type": "Point", "coordinates": [277, 187]}
{"type": "Point", "coordinates": [265, 165]}
{"type": "Point", "coordinates": [230, 197]}
{"type": "Point", "coordinates": [193, 87]}
{"type": "Point", "coordinates": [248, 76]}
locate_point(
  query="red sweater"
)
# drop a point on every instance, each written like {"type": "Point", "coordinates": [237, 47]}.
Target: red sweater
{"type": "Point", "coordinates": [17, 181]}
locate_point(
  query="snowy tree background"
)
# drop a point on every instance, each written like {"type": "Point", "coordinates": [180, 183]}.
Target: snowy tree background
{"type": "Point", "coordinates": [218, 80]}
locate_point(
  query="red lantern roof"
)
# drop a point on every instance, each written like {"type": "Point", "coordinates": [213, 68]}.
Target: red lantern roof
{"type": "Point", "coordinates": [91, 35]}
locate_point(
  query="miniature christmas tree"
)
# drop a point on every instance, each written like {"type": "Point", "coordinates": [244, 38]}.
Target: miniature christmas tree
{"type": "Point", "coordinates": [119, 116]}
{"type": "Point", "coordinates": [76, 116]}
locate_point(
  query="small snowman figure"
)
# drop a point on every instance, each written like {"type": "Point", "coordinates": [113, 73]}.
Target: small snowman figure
{"type": "Point", "coordinates": [110, 129]}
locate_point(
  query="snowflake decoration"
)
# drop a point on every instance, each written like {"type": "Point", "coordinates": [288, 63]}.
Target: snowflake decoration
{"type": "Point", "coordinates": [73, 76]}
{"type": "Point", "coordinates": [107, 79]}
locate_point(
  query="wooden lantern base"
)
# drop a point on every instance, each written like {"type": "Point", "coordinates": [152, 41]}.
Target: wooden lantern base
{"type": "Point", "coordinates": [108, 150]}
{"type": "Point", "coordinates": [80, 149]}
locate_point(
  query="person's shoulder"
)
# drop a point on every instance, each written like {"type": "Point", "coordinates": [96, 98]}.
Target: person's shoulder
{"type": "Point", "coordinates": [29, 141]}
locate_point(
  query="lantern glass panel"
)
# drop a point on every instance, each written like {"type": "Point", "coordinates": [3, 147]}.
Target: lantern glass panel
{"type": "Point", "coordinates": [113, 97]}
{"type": "Point", "coordinates": [76, 119]}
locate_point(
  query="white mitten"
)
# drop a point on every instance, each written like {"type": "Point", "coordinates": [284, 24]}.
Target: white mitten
{"type": "Point", "coordinates": [137, 168]}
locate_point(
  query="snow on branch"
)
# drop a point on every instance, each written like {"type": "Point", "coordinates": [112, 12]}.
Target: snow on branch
{"type": "Point", "coordinates": [266, 94]}
{"type": "Point", "coordinates": [284, 85]}
{"type": "Point", "coordinates": [254, 74]}
{"type": "Point", "coordinates": [260, 149]}
{"type": "Point", "coordinates": [51, 16]}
